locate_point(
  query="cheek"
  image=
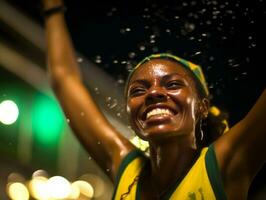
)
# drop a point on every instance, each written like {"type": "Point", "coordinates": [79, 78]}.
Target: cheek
{"type": "Point", "coordinates": [181, 97]}
{"type": "Point", "coordinates": [185, 100]}
{"type": "Point", "coordinates": [133, 106]}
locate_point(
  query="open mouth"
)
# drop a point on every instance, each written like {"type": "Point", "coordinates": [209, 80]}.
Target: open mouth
{"type": "Point", "coordinates": [158, 112]}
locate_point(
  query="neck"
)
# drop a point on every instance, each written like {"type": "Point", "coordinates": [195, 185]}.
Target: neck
{"type": "Point", "coordinates": [170, 161]}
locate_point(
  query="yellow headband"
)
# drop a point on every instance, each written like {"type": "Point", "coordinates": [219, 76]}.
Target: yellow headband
{"type": "Point", "coordinates": [195, 69]}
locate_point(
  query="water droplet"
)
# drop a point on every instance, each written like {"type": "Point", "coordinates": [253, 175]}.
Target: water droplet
{"type": "Point", "coordinates": [115, 61]}
{"type": "Point", "coordinates": [129, 66]}
{"type": "Point", "coordinates": [235, 65]}
{"type": "Point", "coordinates": [203, 11]}
{"type": "Point", "coordinates": [146, 9]}
{"type": "Point", "coordinates": [98, 59]}
{"type": "Point", "coordinates": [142, 48]}
{"type": "Point", "coordinates": [146, 27]}
{"type": "Point", "coordinates": [222, 6]}
{"type": "Point", "coordinates": [68, 120]}
{"type": "Point", "coordinates": [89, 158]}
{"type": "Point", "coordinates": [120, 81]}
{"type": "Point", "coordinates": [253, 45]}
{"type": "Point", "coordinates": [193, 3]}
{"type": "Point", "coordinates": [184, 4]}
{"type": "Point", "coordinates": [216, 12]}
{"type": "Point", "coordinates": [211, 58]}
{"type": "Point", "coordinates": [128, 29]}
{"type": "Point", "coordinates": [229, 11]}
{"type": "Point", "coordinates": [208, 22]}
{"type": "Point", "coordinates": [98, 142]}
{"type": "Point", "coordinates": [79, 60]}
{"type": "Point", "coordinates": [189, 26]}
{"type": "Point", "coordinates": [123, 62]}
{"type": "Point", "coordinates": [108, 98]}
{"type": "Point", "coordinates": [209, 67]}
{"type": "Point", "coordinates": [211, 86]}
{"type": "Point", "coordinates": [197, 53]}
{"type": "Point", "coordinates": [96, 90]}
{"type": "Point", "coordinates": [131, 54]}
{"type": "Point", "coordinates": [82, 114]}
{"type": "Point", "coordinates": [113, 104]}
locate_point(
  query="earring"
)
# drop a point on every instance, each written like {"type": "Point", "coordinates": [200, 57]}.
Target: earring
{"type": "Point", "coordinates": [201, 131]}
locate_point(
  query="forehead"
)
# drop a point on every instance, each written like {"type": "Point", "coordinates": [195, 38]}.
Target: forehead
{"type": "Point", "coordinates": [157, 68]}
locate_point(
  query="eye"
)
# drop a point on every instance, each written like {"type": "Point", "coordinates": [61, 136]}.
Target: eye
{"type": "Point", "coordinates": [173, 85]}
{"type": "Point", "coordinates": [137, 91]}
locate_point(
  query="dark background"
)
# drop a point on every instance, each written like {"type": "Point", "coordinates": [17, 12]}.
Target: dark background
{"type": "Point", "coordinates": [225, 37]}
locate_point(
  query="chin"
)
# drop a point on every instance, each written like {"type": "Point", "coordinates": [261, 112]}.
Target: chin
{"type": "Point", "coordinates": [160, 132]}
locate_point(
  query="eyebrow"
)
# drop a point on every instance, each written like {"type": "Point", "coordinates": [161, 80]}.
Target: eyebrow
{"type": "Point", "coordinates": [168, 76]}
{"type": "Point", "coordinates": [140, 81]}
{"type": "Point", "coordinates": [145, 82]}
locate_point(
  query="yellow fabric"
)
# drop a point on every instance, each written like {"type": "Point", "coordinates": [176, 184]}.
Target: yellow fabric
{"type": "Point", "coordinates": [194, 186]}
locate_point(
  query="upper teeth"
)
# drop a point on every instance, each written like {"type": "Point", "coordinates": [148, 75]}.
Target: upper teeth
{"type": "Point", "coordinates": [158, 111]}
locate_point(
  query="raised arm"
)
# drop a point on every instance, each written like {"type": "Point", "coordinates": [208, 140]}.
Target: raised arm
{"type": "Point", "coordinates": [241, 151]}
{"type": "Point", "coordinates": [99, 138]}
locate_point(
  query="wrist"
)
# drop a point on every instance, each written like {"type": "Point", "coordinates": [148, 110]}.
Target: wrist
{"type": "Point", "coordinates": [49, 4]}
{"type": "Point", "coordinates": [53, 10]}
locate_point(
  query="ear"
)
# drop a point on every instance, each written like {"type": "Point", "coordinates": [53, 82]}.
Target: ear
{"type": "Point", "coordinates": [204, 105]}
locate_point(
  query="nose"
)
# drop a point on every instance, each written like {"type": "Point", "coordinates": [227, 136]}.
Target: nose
{"type": "Point", "coordinates": [155, 96]}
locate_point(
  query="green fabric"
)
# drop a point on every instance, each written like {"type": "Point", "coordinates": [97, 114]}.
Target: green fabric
{"type": "Point", "coordinates": [214, 174]}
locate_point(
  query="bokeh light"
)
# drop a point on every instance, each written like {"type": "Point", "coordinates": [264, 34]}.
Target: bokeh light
{"type": "Point", "coordinates": [85, 188]}
{"type": "Point", "coordinates": [99, 185]}
{"type": "Point", "coordinates": [58, 187]}
{"type": "Point", "coordinates": [38, 188]}
{"type": "Point", "coordinates": [8, 112]}
{"type": "Point", "coordinates": [47, 119]}
{"type": "Point", "coordinates": [17, 191]}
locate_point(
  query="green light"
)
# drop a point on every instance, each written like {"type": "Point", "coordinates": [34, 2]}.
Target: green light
{"type": "Point", "coordinates": [8, 112]}
{"type": "Point", "coordinates": [48, 120]}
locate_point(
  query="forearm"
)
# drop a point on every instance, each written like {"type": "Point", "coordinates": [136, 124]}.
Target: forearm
{"type": "Point", "coordinates": [60, 52]}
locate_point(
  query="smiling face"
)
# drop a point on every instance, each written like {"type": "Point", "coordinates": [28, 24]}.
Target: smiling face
{"type": "Point", "coordinates": [162, 100]}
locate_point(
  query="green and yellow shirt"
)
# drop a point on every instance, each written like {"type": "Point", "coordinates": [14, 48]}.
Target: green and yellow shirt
{"type": "Point", "coordinates": [202, 182]}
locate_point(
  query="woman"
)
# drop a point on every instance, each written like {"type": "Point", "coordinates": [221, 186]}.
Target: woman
{"type": "Point", "coordinates": [167, 100]}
